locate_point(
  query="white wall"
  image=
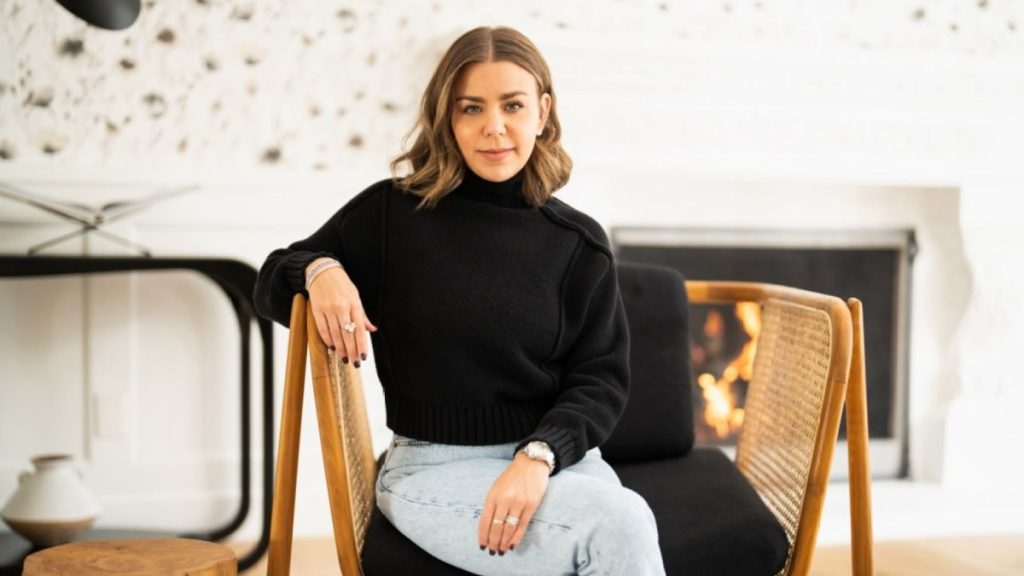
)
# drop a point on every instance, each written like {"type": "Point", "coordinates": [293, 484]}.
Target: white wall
{"type": "Point", "coordinates": [777, 114]}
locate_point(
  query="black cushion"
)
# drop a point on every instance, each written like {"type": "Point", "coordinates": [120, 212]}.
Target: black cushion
{"type": "Point", "coordinates": [387, 553]}
{"type": "Point", "coordinates": [658, 420]}
{"type": "Point", "coordinates": [710, 520]}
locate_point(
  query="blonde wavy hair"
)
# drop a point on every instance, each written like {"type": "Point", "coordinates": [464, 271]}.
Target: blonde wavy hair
{"type": "Point", "coordinates": [437, 165]}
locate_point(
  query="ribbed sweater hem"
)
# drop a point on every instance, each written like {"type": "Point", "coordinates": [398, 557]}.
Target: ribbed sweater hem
{"type": "Point", "coordinates": [463, 425]}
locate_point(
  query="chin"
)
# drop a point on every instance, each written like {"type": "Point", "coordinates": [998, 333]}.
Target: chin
{"type": "Point", "coordinates": [495, 173]}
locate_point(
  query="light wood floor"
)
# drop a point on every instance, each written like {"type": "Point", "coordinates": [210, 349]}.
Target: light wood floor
{"type": "Point", "coordinates": [971, 556]}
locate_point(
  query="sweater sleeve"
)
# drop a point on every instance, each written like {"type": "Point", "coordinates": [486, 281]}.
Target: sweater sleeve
{"type": "Point", "coordinates": [595, 379]}
{"type": "Point", "coordinates": [344, 236]}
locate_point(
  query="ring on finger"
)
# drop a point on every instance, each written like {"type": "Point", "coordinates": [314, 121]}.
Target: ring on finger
{"type": "Point", "coordinates": [512, 520]}
{"type": "Point", "coordinates": [350, 327]}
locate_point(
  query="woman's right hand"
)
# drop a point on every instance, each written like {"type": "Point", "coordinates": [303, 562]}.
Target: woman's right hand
{"type": "Point", "coordinates": [335, 302]}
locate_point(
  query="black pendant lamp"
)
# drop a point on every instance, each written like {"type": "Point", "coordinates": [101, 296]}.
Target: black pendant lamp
{"type": "Point", "coordinates": [109, 14]}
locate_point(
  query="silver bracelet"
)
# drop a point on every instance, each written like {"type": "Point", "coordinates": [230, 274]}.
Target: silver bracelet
{"type": "Point", "coordinates": [320, 269]}
{"type": "Point", "coordinates": [323, 262]}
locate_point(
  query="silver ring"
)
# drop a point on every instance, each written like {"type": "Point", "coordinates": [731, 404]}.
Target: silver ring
{"type": "Point", "coordinates": [350, 327]}
{"type": "Point", "coordinates": [512, 520]}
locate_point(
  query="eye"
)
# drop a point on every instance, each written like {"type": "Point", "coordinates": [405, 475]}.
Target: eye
{"type": "Point", "coordinates": [471, 109]}
{"type": "Point", "coordinates": [513, 106]}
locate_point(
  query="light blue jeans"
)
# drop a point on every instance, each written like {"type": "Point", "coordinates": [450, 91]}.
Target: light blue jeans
{"type": "Point", "coordinates": [587, 523]}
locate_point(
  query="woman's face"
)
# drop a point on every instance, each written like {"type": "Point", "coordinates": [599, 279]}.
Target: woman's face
{"type": "Point", "coordinates": [496, 118]}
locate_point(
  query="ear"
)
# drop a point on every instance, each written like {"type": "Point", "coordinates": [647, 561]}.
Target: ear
{"type": "Point", "coordinates": [545, 108]}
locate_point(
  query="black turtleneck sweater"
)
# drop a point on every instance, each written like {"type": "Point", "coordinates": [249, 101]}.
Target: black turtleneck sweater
{"type": "Point", "coordinates": [498, 322]}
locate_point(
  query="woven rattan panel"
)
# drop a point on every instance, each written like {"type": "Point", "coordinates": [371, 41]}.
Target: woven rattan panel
{"type": "Point", "coordinates": [783, 408]}
{"type": "Point", "coordinates": [351, 409]}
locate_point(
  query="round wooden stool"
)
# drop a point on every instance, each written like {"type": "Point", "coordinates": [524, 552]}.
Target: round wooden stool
{"type": "Point", "coordinates": [175, 556]}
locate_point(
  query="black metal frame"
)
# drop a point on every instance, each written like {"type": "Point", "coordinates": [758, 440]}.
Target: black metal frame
{"type": "Point", "coordinates": [237, 279]}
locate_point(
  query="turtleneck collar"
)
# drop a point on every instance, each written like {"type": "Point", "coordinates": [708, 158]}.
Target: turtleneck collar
{"type": "Point", "coordinates": [508, 193]}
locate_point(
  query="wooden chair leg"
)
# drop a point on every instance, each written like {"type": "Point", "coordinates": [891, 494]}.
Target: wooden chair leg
{"type": "Point", "coordinates": [282, 517]}
{"type": "Point", "coordinates": [857, 442]}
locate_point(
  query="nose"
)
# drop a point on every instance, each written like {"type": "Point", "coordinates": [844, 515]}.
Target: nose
{"type": "Point", "coordinates": [494, 124]}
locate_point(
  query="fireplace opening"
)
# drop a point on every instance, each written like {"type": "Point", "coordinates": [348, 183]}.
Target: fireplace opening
{"type": "Point", "coordinates": [871, 265]}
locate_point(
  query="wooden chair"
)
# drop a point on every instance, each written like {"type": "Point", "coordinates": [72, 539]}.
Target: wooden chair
{"type": "Point", "coordinates": [809, 361]}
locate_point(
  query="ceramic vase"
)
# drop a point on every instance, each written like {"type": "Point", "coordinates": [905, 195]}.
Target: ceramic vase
{"type": "Point", "coordinates": [52, 504]}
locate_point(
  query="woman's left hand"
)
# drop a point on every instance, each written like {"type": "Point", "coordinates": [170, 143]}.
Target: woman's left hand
{"type": "Point", "coordinates": [515, 494]}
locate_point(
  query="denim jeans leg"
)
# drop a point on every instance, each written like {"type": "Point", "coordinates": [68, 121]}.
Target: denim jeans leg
{"type": "Point", "coordinates": [587, 522]}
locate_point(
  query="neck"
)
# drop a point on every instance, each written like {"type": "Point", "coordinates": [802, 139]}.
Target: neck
{"type": "Point", "coordinates": [508, 193]}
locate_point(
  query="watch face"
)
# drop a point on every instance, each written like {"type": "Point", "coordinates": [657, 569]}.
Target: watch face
{"type": "Point", "coordinates": [536, 449]}
{"type": "Point", "coordinates": [539, 450]}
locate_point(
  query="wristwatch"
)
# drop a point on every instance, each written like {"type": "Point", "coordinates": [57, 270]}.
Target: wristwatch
{"type": "Point", "coordinates": [539, 450]}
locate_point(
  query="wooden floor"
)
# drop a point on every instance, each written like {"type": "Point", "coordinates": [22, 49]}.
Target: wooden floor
{"type": "Point", "coordinates": [972, 556]}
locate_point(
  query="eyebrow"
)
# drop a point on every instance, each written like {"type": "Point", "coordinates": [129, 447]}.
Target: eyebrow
{"type": "Point", "coordinates": [505, 96]}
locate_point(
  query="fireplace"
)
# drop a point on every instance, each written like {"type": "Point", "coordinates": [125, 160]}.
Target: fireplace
{"type": "Point", "coordinates": [872, 265]}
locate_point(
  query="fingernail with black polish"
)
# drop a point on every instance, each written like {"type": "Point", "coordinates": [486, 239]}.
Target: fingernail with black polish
{"type": "Point", "coordinates": [501, 553]}
{"type": "Point", "coordinates": [364, 357]}
{"type": "Point", "coordinates": [492, 552]}
{"type": "Point", "coordinates": [356, 363]}
{"type": "Point", "coordinates": [344, 360]}
{"type": "Point", "coordinates": [511, 547]}
{"type": "Point", "coordinates": [482, 548]}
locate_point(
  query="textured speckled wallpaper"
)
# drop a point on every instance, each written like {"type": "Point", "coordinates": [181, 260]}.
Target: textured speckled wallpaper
{"type": "Point", "coordinates": [309, 85]}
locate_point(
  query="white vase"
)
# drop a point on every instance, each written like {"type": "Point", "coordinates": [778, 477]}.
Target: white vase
{"type": "Point", "coordinates": [51, 505]}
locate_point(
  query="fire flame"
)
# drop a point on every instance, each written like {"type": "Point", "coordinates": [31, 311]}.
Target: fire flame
{"type": "Point", "coordinates": [720, 411]}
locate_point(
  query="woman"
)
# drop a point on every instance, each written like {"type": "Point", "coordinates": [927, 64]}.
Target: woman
{"type": "Point", "coordinates": [503, 347]}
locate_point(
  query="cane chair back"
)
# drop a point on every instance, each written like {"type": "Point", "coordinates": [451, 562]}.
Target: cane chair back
{"type": "Point", "coordinates": [794, 404]}
{"type": "Point", "coordinates": [790, 378]}
{"type": "Point", "coordinates": [340, 403]}
{"type": "Point", "coordinates": [345, 440]}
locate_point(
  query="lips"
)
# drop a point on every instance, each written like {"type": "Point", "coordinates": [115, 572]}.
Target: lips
{"type": "Point", "coordinates": [496, 153]}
